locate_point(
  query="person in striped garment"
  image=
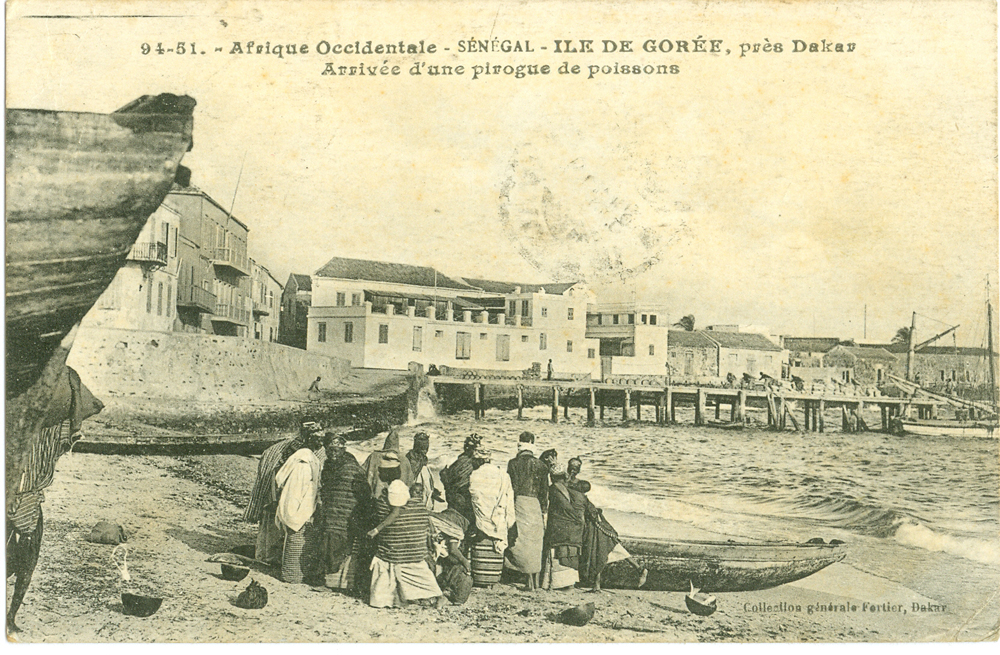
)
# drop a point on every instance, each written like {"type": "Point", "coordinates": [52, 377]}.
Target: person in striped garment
{"type": "Point", "coordinates": [400, 570]}
{"type": "Point", "coordinates": [264, 495]}
{"type": "Point", "coordinates": [57, 406]}
{"type": "Point", "coordinates": [493, 503]}
{"type": "Point", "coordinates": [298, 481]}
{"type": "Point", "coordinates": [344, 494]}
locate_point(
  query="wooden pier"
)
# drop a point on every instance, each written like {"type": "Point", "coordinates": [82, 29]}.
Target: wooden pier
{"type": "Point", "coordinates": [664, 402]}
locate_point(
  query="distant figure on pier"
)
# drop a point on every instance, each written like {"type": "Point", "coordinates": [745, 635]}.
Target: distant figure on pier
{"type": "Point", "coordinates": [549, 371]}
{"type": "Point", "coordinates": [315, 384]}
{"type": "Point", "coordinates": [798, 383]}
{"type": "Point", "coordinates": [433, 370]}
{"type": "Point", "coordinates": [730, 380]}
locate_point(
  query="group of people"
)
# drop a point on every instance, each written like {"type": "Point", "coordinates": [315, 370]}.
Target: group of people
{"type": "Point", "coordinates": [370, 528]}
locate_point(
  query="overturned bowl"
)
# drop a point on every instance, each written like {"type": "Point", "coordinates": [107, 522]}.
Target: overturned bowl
{"type": "Point", "coordinates": [234, 573]}
{"type": "Point", "coordinates": [136, 605]}
{"type": "Point", "coordinates": [700, 604]}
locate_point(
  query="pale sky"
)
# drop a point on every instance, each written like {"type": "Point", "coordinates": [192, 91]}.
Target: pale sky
{"type": "Point", "coordinates": [787, 189]}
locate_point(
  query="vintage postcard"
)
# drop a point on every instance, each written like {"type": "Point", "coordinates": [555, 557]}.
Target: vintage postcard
{"type": "Point", "coordinates": [501, 322]}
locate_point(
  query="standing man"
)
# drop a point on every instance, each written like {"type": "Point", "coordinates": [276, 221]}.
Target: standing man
{"type": "Point", "coordinates": [455, 479]}
{"type": "Point", "coordinates": [264, 496]}
{"type": "Point", "coordinates": [344, 493]}
{"type": "Point", "coordinates": [421, 472]}
{"type": "Point", "coordinates": [493, 505]}
{"type": "Point", "coordinates": [298, 480]}
{"type": "Point", "coordinates": [529, 478]}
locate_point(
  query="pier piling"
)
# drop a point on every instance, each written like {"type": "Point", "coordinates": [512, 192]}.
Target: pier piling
{"type": "Point", "coordinates": [626, 405]}
{"type": "Point", "coordinates": [520, 401]}
{"type": "Point", "coordinates": [555, 404]}
{"type": "Point", "coordinates": [590, 408]}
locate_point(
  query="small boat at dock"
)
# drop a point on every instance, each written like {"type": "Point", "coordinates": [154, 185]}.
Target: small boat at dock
{"type": "Point", "coordinates": [718, 566]}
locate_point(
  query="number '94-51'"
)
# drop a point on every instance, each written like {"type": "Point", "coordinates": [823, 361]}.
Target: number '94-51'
{"type": "Point", "coordinates": [181, 48]}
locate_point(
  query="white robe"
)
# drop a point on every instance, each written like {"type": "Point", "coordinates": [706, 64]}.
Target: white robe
{"type": "Point", "coordinates": [298, 481]}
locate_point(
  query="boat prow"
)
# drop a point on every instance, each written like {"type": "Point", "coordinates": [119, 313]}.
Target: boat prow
{"type": "Point", "coordinates": [719, 566]}
{"type": "Point", "coordinates": [949, 428]}
{"type": "Point", "coordinates": [79, 188]}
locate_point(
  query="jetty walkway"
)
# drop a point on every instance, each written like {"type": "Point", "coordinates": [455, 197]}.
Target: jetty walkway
{"type": "Point", "coordinates": [631, 396]}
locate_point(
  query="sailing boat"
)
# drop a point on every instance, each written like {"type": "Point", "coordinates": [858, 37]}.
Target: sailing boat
{"type": "Point", "coordinates": [986, 425]}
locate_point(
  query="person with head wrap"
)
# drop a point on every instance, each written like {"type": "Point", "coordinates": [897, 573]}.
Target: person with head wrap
{"type": "Point", "coordinates": [344, 494]}
{"type": "Point", "coordinates": [298, 482]}
{"type": "Point", "coordinates": [454, 571]}
{"type": "Point", "coordinates": [529, 478]}
{"type": "Point", "coordinates": [493, 505]}
{"type": "Point", "coordinates": [455, 479]}
{"type": "Point", "coordinates": [264, 495]}
{"type": "Point", "coordinates": [371, 464]}
{"type": "Point", "coordinates": [421, 471]}
{"type": "Point", "coordinates": [400, 572]}
{"type": "Point", "coordinates": [600, 544]}
{"type": "Point", "coordinates": [563, 536]}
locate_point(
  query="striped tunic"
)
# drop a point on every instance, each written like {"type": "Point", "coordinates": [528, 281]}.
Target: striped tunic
{"type": "Point", "coordinates": [24, 505]}
{"type": "Point", "coordinates": [265, 490]}
{"type": "Point", "coordinates": [406, 540]}
{"type": "Point", "coordinates": [344, 485]}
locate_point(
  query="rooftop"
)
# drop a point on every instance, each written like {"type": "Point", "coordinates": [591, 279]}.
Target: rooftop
{"type": "Point", "coordinates": [741, 340]}
{"type": "Point", "coordinates": [685, 339]}
{"type": "Point", "coordinates": [494, 286]}
{"type": "Point", "coordinates": [373, 271]}
{"type": "Point", "coordinates": [811, 344]}
{"type": "Point", "coordinates": [302, 282]}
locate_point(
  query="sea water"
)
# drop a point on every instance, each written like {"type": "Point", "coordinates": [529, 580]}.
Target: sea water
{"type": "Point", "coordinates": [932, 493]}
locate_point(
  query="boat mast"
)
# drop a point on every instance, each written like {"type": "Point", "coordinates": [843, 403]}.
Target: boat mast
{"type": "Point", "coordinates": [989, 347]}
{"type": "Point", "coordinates": [909, 352]}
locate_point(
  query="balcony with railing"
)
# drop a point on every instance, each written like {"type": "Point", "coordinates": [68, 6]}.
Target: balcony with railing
{"type": "Point", "coordinates": [260, 308]}
{"type": "Point", "coordinates": [226, 313]}
{"type": "Point", "coordinates": [189, 295]}
{"type": "Point", "coordinates": [231, 259]}
{"type": "Point", "coordinates": [154, 252]}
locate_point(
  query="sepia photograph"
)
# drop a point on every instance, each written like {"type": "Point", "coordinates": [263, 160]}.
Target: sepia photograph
{"type": "Point", "coordinates": [481, 322]}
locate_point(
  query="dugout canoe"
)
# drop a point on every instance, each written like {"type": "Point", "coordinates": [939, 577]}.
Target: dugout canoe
{"type": "Point", "coordinates": [79, 188]}
{"type": "Point", "coordinates": [718, 566]}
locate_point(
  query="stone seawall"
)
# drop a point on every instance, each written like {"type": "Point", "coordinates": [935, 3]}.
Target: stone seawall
{"type": "Point", "coordinates": [198, 368]}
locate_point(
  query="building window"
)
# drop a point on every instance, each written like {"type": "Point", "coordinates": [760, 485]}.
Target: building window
{"type": "Point", "coordinates": [942, 376]}
{"type": "Point", "coordinates": [733, 359]}
{"type": "Point", "coordinates": [438, 334]}
{"type": "Point", "coordinates": [600, 319]}
{"type": "Point", "coordinates": [463, 345]}
{"type": "Point", "coordinates": [321, 332]}
{"type": "Point", "coordinates": [383, 333]}
{"type": "Point", "coordinates": [614, 319]}
{"type": "Point", "coordinates": [644, 319]}
{"type": "Point", "coordinates": [591, 353]}
{"type": "Point", "coordinates": [569, 346]}
{"type": "Point", "coordinates": [348, 332]}
{"type": "Point", "coordinates": [631, 319]}
{"type": "Point", "coordinates": [569, 313]}
{"type": "Point", "coordinates": [652, 349]}
{"type": "Point", "coordinates": [341, 299]}
{"type": "Point", "coordinates": [503, 347]}
{"type": "Point", "coordinates": [483, 336]}
{"type": "Point", "coordinates": [543, 341]}
{"type": "Point", "coordinates": [170, 292]}
{"type": "Point", "coordinates": [159, 299]}
{"type": "Point", "coordinates": [524, 308]}
{"type": "Point", "coordinates": [545, 312]}
{"type": "Point", "coordinates": [356, 299]}
{"type": "Point", "coordinates": [418, 338]}
{"type": "Point", "coordinates": [524, 338]}
{"type": "Point", "coordinates": [513, 307]}
{"type": "Point", "coordinates": [652, 319]}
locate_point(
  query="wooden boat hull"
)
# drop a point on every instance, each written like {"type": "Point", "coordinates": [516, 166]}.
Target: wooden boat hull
{"type": "Point", "coordinates": [718, 566]}
{"type": "Point", "coordinates": [946, 428]}
{"type": "Point", "coordinates": [79, 188]}
{"type": "Point", "coordinates": [179, 445]}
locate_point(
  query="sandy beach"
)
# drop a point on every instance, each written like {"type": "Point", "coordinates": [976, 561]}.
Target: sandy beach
{"type": "Point", "coordinates": [178, 511]}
